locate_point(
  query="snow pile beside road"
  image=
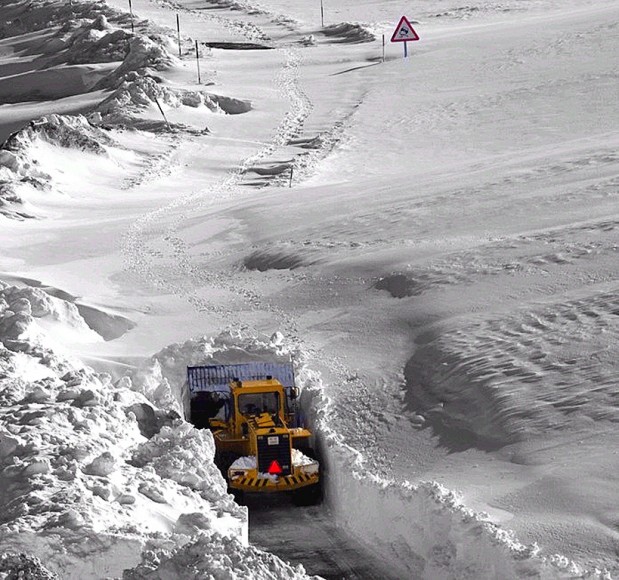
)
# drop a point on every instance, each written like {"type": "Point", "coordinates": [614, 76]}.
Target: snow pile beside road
{"type": "Point", "coordinates": [14, 566]}
{"type": "Point", "coordinates": [98, 479]}
{"type": "Point", "coordinates": [213, 556]}
{"type": "Point", "coordinates": [83, 489]}
{"type": "Point", "coordinates": [424, 530]}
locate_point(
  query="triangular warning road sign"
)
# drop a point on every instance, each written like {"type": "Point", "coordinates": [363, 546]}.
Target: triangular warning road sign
{"type": "Point", "coordinates": [404, 31]}
{"type": "Point", "coordinates": [275, 468]}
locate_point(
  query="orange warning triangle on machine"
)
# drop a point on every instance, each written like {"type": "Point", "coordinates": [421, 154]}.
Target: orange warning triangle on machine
{"type": "Point", "coordinates": [275, 468]}
{"type": "Point", "coordinates": [404, 31]}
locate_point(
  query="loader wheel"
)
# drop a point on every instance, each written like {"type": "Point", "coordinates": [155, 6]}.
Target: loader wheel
{"type": "Point", "coordinates": [306, 496]}
{"type": "Point", "coordinates": [239, 496]}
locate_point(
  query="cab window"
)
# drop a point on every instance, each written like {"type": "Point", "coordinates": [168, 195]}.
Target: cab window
{"type": "Point", "coordinates": [257, 403]}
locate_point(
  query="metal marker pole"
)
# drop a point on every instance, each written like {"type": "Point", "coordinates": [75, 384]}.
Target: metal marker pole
{"type": "Point", "coordinates": [405, 49]}
{"type": "Point", "coordinates": [383, 48]}
{"type": "Point", "coordinates": [198, 61]}
{"type": "Point", "coordinates": [178, 32]}
{"type": "Point", "coordinates": [322, 14]}
{"type": "Point", "coordinates": [162, 113]}
{"type": "Point", "coordinates": [131, 12]}
{"type": "Point", "coordinates": [291, 172]}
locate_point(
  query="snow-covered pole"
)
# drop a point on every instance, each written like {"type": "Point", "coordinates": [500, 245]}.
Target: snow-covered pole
{"type": "Point", "coordinates": [131, 13]}
{"type": "Point", "coordinates": [162, 113]}
{"type": "Point", "coordinates": [198, 60]}
{"type": "Point", "coordinates": [178, 34]}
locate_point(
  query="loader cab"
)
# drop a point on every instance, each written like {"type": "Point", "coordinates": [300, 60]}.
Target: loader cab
{"type": "Point", "coordinates": [255, 399]}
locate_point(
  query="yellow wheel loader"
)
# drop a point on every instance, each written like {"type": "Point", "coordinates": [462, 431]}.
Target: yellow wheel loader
{"type": "Point", "coordinates": [261, 443]}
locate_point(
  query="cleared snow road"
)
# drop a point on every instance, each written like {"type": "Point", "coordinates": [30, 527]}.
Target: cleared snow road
{"type": "Point", "coordinates": [307, 536]}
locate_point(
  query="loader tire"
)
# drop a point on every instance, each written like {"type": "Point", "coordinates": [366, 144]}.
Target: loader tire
{"type": "Point", "coordinates": [239, 496]}
{"type": "Point", "coordinates": [306, 496]}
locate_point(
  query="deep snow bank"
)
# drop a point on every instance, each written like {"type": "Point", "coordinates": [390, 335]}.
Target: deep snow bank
{"type": "Point", "coordinates": [424, 530]}
{"type": "Point", "coordinates": [31, 313]}
{"type": "Point", "coordinates": [96, 475]}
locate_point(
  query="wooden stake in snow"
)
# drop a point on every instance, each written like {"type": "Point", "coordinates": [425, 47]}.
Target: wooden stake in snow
{"type": "Point", "coordinates": [198, 60]}
{"type": "Point", "coordinates": [162, 113]}
{"type": "Point", "coordinates": [291, 172]}
{"type": "Point", "coordinates": [131, 12]}
{"type": "Point", "coordinates": [322, 14]}
{"type": "Point", "coordinates": [178, 33]}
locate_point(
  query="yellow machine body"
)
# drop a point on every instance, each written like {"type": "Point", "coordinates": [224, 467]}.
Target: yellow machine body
{"type": "Point", "coordinates": [258, 428]}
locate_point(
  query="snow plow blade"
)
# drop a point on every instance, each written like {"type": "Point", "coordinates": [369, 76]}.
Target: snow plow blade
{"type": "Point", "coordinates": [256, 484]}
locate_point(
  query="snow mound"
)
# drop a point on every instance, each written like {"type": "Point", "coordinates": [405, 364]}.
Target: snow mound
{"type": "Point", "coordinates": [82, 488]}
{"type": "Point", "coordinates": [14, 566]}
{"type": "Point", "coordinates": [66, 131]}
{"type": "Point", "coordinates": [212, 556]}
{"type": "Point", "coordinates": [349, 32]}
{"type": "Point", "coordinates": [145, 58]}
{"type": "Point", "coordinates": [28, 313]}
{"type": "Point", "coordinates": [89, 41]}
{"type": "Point", "coordinates": [140, 92]}
{"type": "Point", "coordinates": [21, 173]}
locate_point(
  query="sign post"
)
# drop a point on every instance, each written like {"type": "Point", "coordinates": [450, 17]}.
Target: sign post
{"type": "Point", "coordinates": [404, 32]}
{"type": "Point", "coordinates": [198, 61]}
{"type": "Point", "coordinates": [178, 32]}
{"type": "Point", "coordinates": [131, 12]}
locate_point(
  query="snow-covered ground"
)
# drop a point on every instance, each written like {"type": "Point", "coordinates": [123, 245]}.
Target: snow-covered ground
{"type": "Point", "coordinates": [433, 239]}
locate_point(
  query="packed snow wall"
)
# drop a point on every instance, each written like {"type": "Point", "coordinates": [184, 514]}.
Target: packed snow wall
{"type": "Point", "coordinates": [423, 530]}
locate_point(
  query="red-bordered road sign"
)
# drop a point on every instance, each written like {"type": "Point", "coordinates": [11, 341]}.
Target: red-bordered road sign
{"type": "Point", "coordinates": [404, 32]}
